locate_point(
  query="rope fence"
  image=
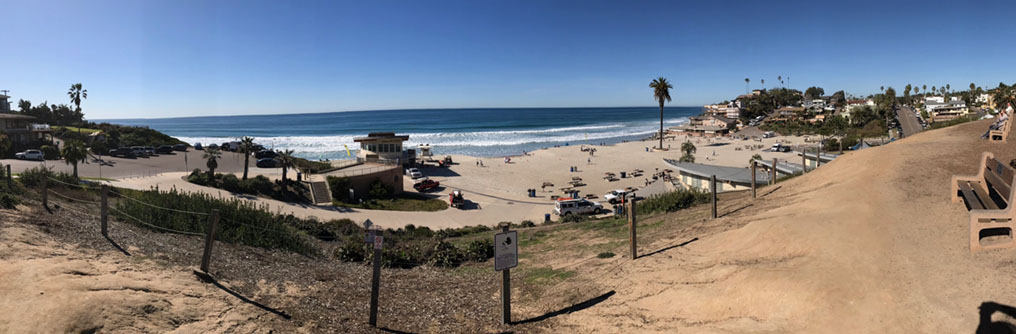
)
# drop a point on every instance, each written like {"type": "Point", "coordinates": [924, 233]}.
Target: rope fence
{"type": "Point", "coordinates": [155, 226]}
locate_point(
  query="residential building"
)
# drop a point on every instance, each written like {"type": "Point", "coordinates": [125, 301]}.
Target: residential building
{"type": "Point", "coordinates": [946, 110]}
{"type": "Point", "coordinates": [706, 126]}
{"type": "Point", "coordinates": [5, 104]}
{"type": "Point", "coordinates": [23, 131]}
{"type": "Point", "coordinates": [785, 114]}
{"type": "Point", "coordinates": [934, 99]}
{"type": "Point", "coordinates": [853, 105]}
{"type": "Point", "coordinates": [986, 100]}
{"type": "Point", "coordinates": [814, 105]}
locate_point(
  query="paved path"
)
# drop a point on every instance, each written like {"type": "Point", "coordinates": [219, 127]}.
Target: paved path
{"type": "Point", "coordinates": [908, 121]}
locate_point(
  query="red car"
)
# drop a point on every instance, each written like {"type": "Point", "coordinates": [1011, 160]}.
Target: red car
{"type": "Point", "coordinates": [425, 185]}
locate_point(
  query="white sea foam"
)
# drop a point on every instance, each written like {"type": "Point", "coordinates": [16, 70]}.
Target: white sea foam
{"type": "Point", "coordinates": [317, 145]}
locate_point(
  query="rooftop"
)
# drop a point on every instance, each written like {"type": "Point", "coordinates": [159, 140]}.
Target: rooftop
{"type": "Point", "coordinates": [16, 116]}
{"type": "Point", "coordinates": [723, 173]}
{"type": "Point", "coordinates": [380, 135]}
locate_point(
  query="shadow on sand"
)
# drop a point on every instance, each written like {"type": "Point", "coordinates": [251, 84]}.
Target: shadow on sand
{"type": "Point", "coordinates": [117, 246]}
{"type": "Point", "coordinates": [736, 210]}
{"type": "Point", "coordinates": [661, 250]}
{"type": "Point", "coordinates": [987, 326]}
{"type": "Point", "coordinates": [570, 309]}
{"type": "Point", "coordinates": [209, 279]}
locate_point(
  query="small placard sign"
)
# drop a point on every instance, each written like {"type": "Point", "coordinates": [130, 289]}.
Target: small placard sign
{"type": "Point", "coordinates": [506, 250]}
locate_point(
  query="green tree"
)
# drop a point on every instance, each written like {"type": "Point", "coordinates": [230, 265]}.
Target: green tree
{"type": "Point", "coordinates": [74, 152]}
{"type": "Point", "coordinates": [754, 157]}
{"type": "Point", "coordinates": [211, 157]}
{"type": "Point", "coordinates": [813, 93]}
{"type": "Point", "coordinates": [839, 98]}
{"type": "Point", "coordinates": [906, 93]}
{"type": "Point", "coordinates": [661, 93]}
{"type": "Point", "coordinates": [1004, 95]}
{"type": "Point", "coordinates": [287, 160]}
{"type": "Point", "coordinates": [76, 94]}
{"type": "Point", "coordinates": [247, 147]}
{"type": "Point", "coordinates": [688, 149]}
{"type": "Point", "coordinates": [5, 144]}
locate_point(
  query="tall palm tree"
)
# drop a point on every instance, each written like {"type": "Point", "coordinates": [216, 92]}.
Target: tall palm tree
{"type": "Point", "coordinates": [661, 92]}
{"type": "Point", "coordinates": [947, 88]}
{"type": "Point", "coordinates": [763, 83]}
{"type": "Point", "coordinates": [746, 85]}
{"type": "Point", "coordinates": [73, 152]}
{"type": "Point", "coordinates": [247, 147]}
{"type": "Point", "coordinates": [689, 150]}
{"type": "Point", "coordinates": [881, 88]}
{"type": "Point", "coordinates": [76, 94]}
{"type": "Point", "coordinates": [212, 156]}
{"type": "Point", "coordinates": [287, 160]}
{"type": "Point", "coordinates": [780, 79]}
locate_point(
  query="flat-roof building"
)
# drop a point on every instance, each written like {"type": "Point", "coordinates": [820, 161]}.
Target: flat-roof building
{"type": "Point", "coordinates": [697, 176]}
{"type": "Point", "coordinates": [382, 147]}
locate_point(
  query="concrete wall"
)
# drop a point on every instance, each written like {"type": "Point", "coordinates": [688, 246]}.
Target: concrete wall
{"type": "Point", "coordinates": [361, 183]}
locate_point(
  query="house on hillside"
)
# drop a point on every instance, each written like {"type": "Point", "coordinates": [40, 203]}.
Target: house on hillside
{"type": "Point", "coordinates": [706, 126]}
{"type": "Point", "coordinates": [784, 114]}
{"type": "Point", "coordinates": [853, 105]}
{"type": "Point", "coordinates": [24, 132]}
{"type": "Point", "coordinates": [946, 110]}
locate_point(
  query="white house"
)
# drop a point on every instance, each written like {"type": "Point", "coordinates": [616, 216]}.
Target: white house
{"type": "Point", "coordinates": [382, 146]}
{"type": "Point", "coordinates": [934, 99]}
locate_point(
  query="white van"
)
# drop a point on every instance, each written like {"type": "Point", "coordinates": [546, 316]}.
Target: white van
{"type": "Point", "coordinates": [564, 207]}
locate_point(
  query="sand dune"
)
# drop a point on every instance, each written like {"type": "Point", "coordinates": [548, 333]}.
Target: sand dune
{"type": "Point", "coordinates": [867, 244]}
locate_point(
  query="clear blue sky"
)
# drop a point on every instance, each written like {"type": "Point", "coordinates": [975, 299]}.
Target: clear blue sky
{"type": "Point", "coordinates": [182, 58]}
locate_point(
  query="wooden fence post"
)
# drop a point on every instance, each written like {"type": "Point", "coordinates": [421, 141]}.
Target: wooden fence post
{"type": "Point", "coordinates": [818, 155]}
{"type": "Point", "coordinates": [754, 165]}
{"type": "Point", "coordinates": [10, 177]}
{"type": "Point", "coordinates": [712, 189]}
{"type": "Point", "coordinates": [206, 259]}
{"type": "Point", "coordinates": [375, 281]}
{"type": "Point", "coordinates": [772, 173]}
{"type": "Point", "coordinates": [633, 235]}
{"type": "Point", "coordinates": [105, 210]}
{"type": "Point", "coordinates": [506, 289]}
{"type": "Point", "coordinates": [804, 160]}
{"type": "Point", "coordinates": [45, 193]}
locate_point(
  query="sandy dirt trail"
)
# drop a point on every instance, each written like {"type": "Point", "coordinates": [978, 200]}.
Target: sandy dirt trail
{"type": "Point", "coordinates": [869, 243]}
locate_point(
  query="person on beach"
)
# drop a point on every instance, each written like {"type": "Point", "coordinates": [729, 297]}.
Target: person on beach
{"type": "Point", "coordinates": [589, 161]}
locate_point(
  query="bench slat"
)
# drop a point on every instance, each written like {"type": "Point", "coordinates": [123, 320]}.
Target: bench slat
{"type": "Point", "coordinates": [968, 195]}
{"type": "Point", "coordinates": [1000, 186]}
{"type": "Point", "coordinates": [985, 198]}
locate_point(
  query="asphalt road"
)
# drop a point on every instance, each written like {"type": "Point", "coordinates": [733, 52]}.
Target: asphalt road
{"type": "Point", "coordinates": [908, 121]}
{"type": "Point", "coordinates": [111, 167]}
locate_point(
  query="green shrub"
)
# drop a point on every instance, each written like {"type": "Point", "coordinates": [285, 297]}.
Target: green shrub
{"type": "Point", "coordinates": [379, 190]}
{"type": "Point", "coordinates": [230, 182]}
{"type": "Point", "coordinates": [33, 177]}
{"type": "Point", "coordinates": [9, 201]}
{"type": "Point", "coordinates": [527, 223]}
{"type": "Point", "coordinates": [198, 177]}
{"type": "Point", "coordinates": [352, 251]}
{"type": "Point", "coordinates": [339, 187]}
{"type": "Point", "coordinates": [50, 152]}
{"type": "Point", "coordinates": [447, 255]}
{"type": "Point", "coordinates": [479, 250]}
{"type": "Point", "coordinates": [672, 201]}
{"type": "Point", "coordinates": [257, 185]}
{"type": "Point", "coordinates": [605, 255]}
{"type": "Point", "coordinates": [574, 218]}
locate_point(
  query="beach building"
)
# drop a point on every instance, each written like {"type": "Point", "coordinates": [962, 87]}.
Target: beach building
{"type": "Point", "coordinates": [815, 105]}
{"type": "Point", "coordinates": [23, 131]}
{"type": "Point", "coordinates": [783, 167]}
{"type": "Point", "coordinates": [946, 110]}
{"type": "Point", "coordinates": [784, 114]}
{"type": "Point", "coordinates": [383, 147]}
{"type": "Point", "coordinates": [697, 176]}
{"type": "Point", "coordinates": [5, 104]}
{"type": "Point", "coordinates": [730, 110]}
{"type": "Point", "coordinates": [706, 126]}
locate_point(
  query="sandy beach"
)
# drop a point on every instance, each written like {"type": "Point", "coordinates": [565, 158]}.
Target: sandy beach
{"type": "Point", "coordinates": [498, 188]}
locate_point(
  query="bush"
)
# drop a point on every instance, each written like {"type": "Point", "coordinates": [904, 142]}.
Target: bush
{"type": "Point", "coordinates": [33, 177]}
{"type": "Point", "coordinates": [198, 177]}
{"type": "Point", "coordinates": [447, 255]}
{"type": "Point", "coordinates": [230, 182]}
{"type": "Point", "coordinates": [527, 223]}
{"type": "Point", "coordinates": [672, 201]}
{"type": "Point", "coordinates": [257, 185]}
{"type": "Point", "coordinates": [50, 152]}
{"type": "Point", "coordinates": [9, 201]}
{"type": "Point", "coordinates": [352, 251]}
{"type": "Point", "coordinates": [379, 190]}
{"type": "Point", "coordinates": [479, 250]}
{"type": "Point", "coordinates": [339, 187]}
{"type": "Point", "coordinates": [573, 218]}
{"type": "Point", "coordinates": [605, 255]}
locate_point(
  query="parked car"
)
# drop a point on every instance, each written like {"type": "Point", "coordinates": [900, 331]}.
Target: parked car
{"type": "Point", "coordinates": [197, 146]}
{"type": "Point", "coordinates": [426, 184]}
{"type": "Point", "coordinates": [779, 148]}
{"type": "Point", "coordinates": [615, 196]}
{"type": "Point", "coordinates": [123, 152]}
{"type": "Point", "coordinates": [267, 163]}
{"type": "Point", "coordinates": [568, 206]}
{"type": "Point", "coordinates": [30, 155]}
{"type": "Point", "coordinates": [262, 154]}
{"type": "Point", "coordinates": [414, 173]}
{"type": "Point", "coordinates": [232, 146]}
{"type": "Point", "coordinates": [139, 151]}
{"type": "Point", "coordinates": [150, 151]}
{"type": "Point", "coordinates": [213, 146]}
{"type": "Point", "coordinates": [180, 148]}
{"type": "Point", "coordinates": [164, 149]}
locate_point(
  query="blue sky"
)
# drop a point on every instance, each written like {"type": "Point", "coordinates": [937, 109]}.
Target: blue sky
{"type": "Point", "coordinates": [141, 59]}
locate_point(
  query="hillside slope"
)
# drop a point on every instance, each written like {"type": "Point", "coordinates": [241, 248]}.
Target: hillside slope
{"type": "Point", "coordinates": [868, 243]}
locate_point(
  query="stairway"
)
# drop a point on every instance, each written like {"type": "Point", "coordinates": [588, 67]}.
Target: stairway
{"type": "Point", "coordinates": [320, 193]}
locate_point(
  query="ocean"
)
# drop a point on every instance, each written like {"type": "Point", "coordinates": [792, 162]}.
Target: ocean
{"type": "Point", "coordinates": [483, 132]}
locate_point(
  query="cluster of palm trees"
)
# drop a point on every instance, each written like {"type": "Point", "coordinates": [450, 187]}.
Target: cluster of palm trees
{"type": "Point", "coordinates": [247, 147]}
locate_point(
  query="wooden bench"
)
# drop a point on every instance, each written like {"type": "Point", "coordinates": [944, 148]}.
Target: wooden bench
{"type": "Point", "coordinates": [1002, 132]}
{"type": "Point", "coordinates": [988, 196]}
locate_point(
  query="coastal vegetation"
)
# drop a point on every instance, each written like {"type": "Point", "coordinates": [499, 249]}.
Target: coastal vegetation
{"type": "Point", "coordinates": [381, 197]}
{"type": "Point", "coordinates": [74, 152]}
{"type": "Point", "coordinates": [258, 186]}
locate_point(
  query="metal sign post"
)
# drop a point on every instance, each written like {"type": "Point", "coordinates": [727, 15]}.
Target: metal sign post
{"type": "Point", "coordinates": [375, 283]}
{"type": "Point", "coordinates": [506, 256]}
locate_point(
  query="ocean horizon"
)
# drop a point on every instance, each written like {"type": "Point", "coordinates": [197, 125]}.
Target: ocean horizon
{"type": "Point", "coordinates": [483, 132]}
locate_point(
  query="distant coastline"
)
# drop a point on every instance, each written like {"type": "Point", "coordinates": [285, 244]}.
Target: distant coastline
{"type": "Point", "coordinates": [481, 132]}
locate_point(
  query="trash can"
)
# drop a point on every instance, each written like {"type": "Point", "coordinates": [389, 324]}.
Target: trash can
{"type": "Point", "coordinates": [546, 217]}
{"type": "Point", "coordinates": [623, 173]}
{"type": "Point", "coordinates": [575, 194]}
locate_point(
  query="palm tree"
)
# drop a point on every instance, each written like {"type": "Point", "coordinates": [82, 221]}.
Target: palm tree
{"type": "Point", "coordinates": [74, 152]}
{"type": "Point", "coordinates": [763, 83]}
{"type": "Point", "coordinates": [287, 160]}
{"type": "Point", "coordinates": [947, 88]}
{"type": "Point", "coordinates": [689, 149]}
{"type": "Point", "coordinates": [661, 92]}
{"type": "Point", "coordinates": [972, 87]}
{"type": "Point", "coordinates": [780, 79]}
{"type": "Point", "coordinates": [212, 156]}
{"type": "Point", "coordinates": [77, 93]}
{"type": "Point", "coordinates": [881, 88]}
{"type": "Point", "coordinates": [746, 85]}
{"type": "Point", "coordinates": [247, 147]}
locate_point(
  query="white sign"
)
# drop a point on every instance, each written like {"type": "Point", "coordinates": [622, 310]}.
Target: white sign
{"type": "Point", "coordinates": [377, 242]}
{"type": "Point", "coordinates": [506, 250]}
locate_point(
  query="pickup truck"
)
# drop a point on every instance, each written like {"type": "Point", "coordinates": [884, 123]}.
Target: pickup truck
{"type": "Point", "coordinates": [426, 184]}
{"type": "Point", "coordinates": [615, 196]}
